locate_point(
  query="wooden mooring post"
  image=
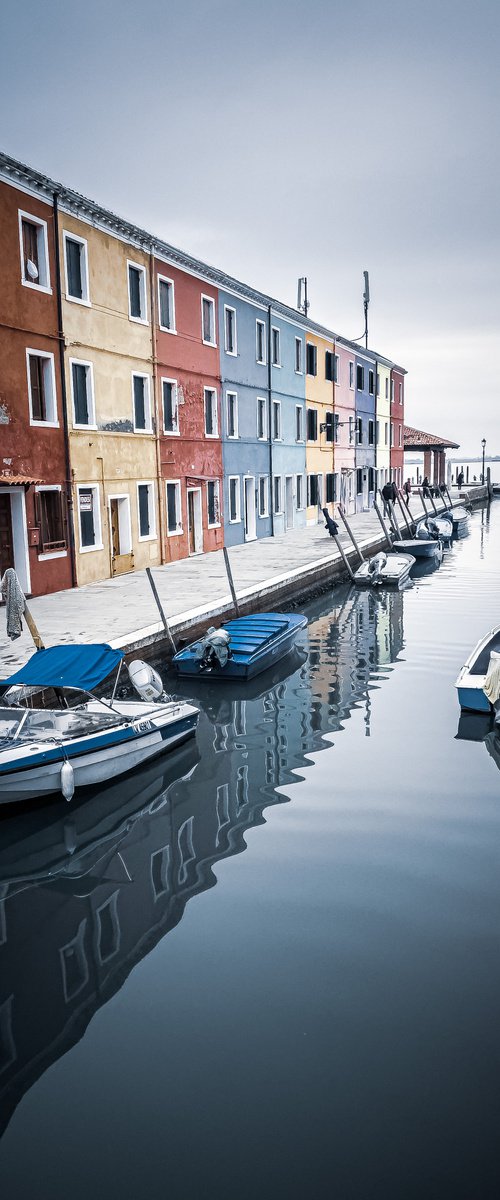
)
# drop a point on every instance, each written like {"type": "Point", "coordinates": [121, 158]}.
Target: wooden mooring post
{"type": "Point", "coordinates": [230, 580]}
{"type": "Point", "coordinates": [349, 530]}
{"type": "Point", "coordinates": [160, 610]}
{"type": "Point", "coordinates": [383, 524]}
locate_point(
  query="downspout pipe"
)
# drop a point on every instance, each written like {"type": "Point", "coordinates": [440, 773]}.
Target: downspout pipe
{"type": "Point", "coordinates": [64, 397]}
{"type": "Point", "coordinates": [157, 406]}
{"type": "Point", "coordinates": [270, 414]}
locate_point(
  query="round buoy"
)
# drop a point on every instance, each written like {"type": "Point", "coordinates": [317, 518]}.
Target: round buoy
{"type": "Point", "coordinates": [67, 780]}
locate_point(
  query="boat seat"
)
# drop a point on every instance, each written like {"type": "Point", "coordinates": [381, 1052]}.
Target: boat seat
{"type": "Point", "coordinates": [482, 663]}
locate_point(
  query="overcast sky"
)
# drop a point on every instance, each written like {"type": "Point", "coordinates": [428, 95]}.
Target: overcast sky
{"type": "Point", "coordinates": [275, 139]}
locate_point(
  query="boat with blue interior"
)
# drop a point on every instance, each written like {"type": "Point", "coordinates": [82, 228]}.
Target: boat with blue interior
{"type": "Point", "coordinates": [479, 679]}
{"type": "Point", "coordinates": [241, 648]}
{"type": "Point", "coordinates": [82, 740]}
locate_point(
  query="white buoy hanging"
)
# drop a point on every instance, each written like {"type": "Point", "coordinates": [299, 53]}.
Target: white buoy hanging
{"type": "Point", "coordinates": [67, 780]}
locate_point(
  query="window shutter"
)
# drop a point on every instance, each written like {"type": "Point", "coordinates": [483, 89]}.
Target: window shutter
{"type": "Point", "coordinates": [144, 509]}
{"type": "Point", "coordinates": [74, 265]}
{"type": "Point", "coordinates": [37, 392]}
{"type": "Point", "coordinates": [171, 508]}
{"type": "Point", "coordinates": [135, 292]}
{"type": "Point", "coordinates": [80, 394]}
{"type": "Point", "coordinates": [139, 403]}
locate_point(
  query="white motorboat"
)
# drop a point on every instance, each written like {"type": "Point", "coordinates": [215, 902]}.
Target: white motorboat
{"type": "Point", "coordinates": [384, 570]}
{"type": "Point", "coordinates": [57, 749]}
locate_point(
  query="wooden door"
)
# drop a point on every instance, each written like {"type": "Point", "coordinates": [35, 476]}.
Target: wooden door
{"type": "Point", "coordinates": [6, 542]}
{"type": "Point", "coordinates": [115, 527]}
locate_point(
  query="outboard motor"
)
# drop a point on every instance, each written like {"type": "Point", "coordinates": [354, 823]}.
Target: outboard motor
{"type": "Point", "coordinates": [146, 681]}
{"type": "Point", "coordinates": [433, 529]}
{"type": "Point", "coordinates": [376, 566]}
{"type": "Point", "coordinates": [213, 650]}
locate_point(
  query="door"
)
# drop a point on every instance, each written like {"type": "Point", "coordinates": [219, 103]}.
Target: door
{"type": "Point", "coordinates": [120, 533]}
{"type": "Point", "coordinates": [195, 528]}
{"type": "Point", "coordinates": [289, 502]}
{"type": "Point", "coordinates": [115, 527]}
{"type": "Point", "coordinates": [6, 540]}
{"type": "Point", "coordinates": [365, 489]}
{"type": "Point", "coordinates": [250, 509]}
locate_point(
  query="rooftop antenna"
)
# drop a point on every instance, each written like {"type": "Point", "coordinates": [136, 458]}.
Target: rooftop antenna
{"type": "Point", "coordinates": [302, 301]}
{"type": "Point", "coordinates": [366, 301]}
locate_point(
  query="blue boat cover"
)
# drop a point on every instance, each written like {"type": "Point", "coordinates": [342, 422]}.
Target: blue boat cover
{"type": "Point", "coordinates": [75, 666]}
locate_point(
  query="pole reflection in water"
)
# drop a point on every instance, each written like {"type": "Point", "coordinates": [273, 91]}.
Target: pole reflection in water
{"type": "Point", "coordinates": [86, 892]}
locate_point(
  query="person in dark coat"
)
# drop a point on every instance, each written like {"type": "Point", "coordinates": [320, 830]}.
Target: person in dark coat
{"type": "Point", "coordinates": [407, 490]}
{"type": "Point", "coordinates": [389, 495]}
{"type": "Point", "coordinates": [426, 491]}
{"type": "Point", "coordinates": [330, 524]}
{"type": "Point", "coordinates": [460, 479]}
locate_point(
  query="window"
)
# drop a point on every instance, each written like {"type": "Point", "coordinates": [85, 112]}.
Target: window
{"type": "Point", "coordinates": [312, 425]}
{"type": "Point", "coordinates": [170, 406]}
{"type": "Point", "coordinates": [311, 359]}
{"type": "Point", "coordinates": [34, 252]}
{"type": "Point", "coordinates": [400, 433]}
{"type": "Point", "coordinates": [234, 498]}
{"type": "Point", "coordinates": [336, 368]}
{"type": "Point", "coordinates": [313, 490]}
{"type": "Point", "coordinates": [50, 519]}
{"type": "Point", "coordinates": [137, 307]}
{"type": "Point", "coordinates": [142, 404]}
{"type": "Point", "coordinates": [359, 482]}
{"type": "Point", "coordinates": [174, 510]}
{"type": "Point", "coordinates": [351, 374]}
{"type": "Point", "coordinates": [386, 433]}
{"type": "Point", "coordinates": [299, 491]}
{"type": "Point", "coordinates": [299, 423]}
{"type": "Point", "coordinates": [371, 433]}
{"type": "Point", "coordinates": [160, 871]}
{"type": "Point", "coordinates": [76, 264]}
{"type": "Point", "coordinates": [329, 365]}
{"type": "Point", "coordinates": [275, 347]}
{"type": "Point", "coordinates": [108, 928]}
{"type": "Point", "coordinates": [8, 1052]}
{"type": "Point", "coordinates": [277, 494]}
{"type": "Point", "coordinates": [89, 518]}
{"type": "Point", "coordinates": [371, 383]}
{"type": "Point", "coordinates": [260, 341]}
{"type": "Point", "coordinates": [360, 378]}
{"type": "Point", "coordinates": [166, 304]}
{"type": "Point", "coordinates": [213, 502]}
{"type": "Point", "coordinates": [298, 356]}
{"type": "Point", "coordinates": [146, 510]}
{"type": "Point", "coordinates": [378, 384]}
{"type": "Point", "coordinates": [210, 412]}
{"type": "Point", "coordinates": [400, 390]}
{"type": "Point", "coordinates": [386, 387]}
{"type": "Point", "coordinates": [392, 434]}
{"type": "Point", "coordinates": [277, 420]}
{"type": "Point", "coordinates": [232, 414]}
{"type": "Point", "coordinates": [41, 388]}
{"type": "Point", "coordinates": [82, 389]}
{"type": "Point", "coordinates": [359, 431]}
{"type": "Point", "coordinates": [336, 427]}
{"type": "Point", "coordinates": [74, 965]}
{"type": "Point", "coordinates": [331, 426]}
{"type": "Point", "coordinates": [371, 479]}
{"type": "Point", "coordinates": [331, 488]}
{"type": "Point", "coordinates": [261, 418]}
{"type": "Point", "coordinates": [208, 321]}
{"type": "Point", "coordinates": [263, 496]}
{"type": "Point", "coordinates": [230, 330]}
{"type": "Point", "coordinates": [392, 391]}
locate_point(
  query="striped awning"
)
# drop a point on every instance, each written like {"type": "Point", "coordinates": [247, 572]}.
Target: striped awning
{"type": "Point", "coordinates": [17, 480]}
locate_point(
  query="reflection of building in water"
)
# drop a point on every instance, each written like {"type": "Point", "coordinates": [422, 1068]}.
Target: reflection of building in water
{"type": "Point", "coordinates": [84, 897]}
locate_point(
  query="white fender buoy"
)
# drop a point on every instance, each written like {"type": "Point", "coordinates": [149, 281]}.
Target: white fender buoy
{"type": "Point", "coordinates": [67, 780]}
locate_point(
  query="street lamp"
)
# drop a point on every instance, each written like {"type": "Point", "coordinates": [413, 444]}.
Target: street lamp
{"type": "Point", "coordinates": [483, 443]}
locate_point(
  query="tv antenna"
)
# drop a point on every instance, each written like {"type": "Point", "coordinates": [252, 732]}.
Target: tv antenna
{"type": "Point", "coordinates": [302, 301]}
{"type": "Point", "coordinates": [366, 301]}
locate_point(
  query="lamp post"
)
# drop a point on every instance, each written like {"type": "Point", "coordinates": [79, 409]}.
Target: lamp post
{"type": "Point", "coordinates": [483, 443]}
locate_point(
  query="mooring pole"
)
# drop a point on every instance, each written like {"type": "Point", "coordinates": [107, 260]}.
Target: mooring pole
{"type": "Point", "coordinates": [424, 506]}
{"type": "Point", "coordinates": [405, 518]}
{"type": "Point", "coordinates": [160, 610]}
{"type": "Point", "coordinates": [349, 530]}
{"type": "Point", "coordinates": [383, 524]}
{"type": "Point", "coordinates": [230, 579]}
{"type": "Point", "coordinates": [343, 556]}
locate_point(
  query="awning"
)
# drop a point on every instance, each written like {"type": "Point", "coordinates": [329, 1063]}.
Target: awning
{"type": "Point", "coordinates": [17, 480]}
{"type": "Point", "coordinates": [67, 666]}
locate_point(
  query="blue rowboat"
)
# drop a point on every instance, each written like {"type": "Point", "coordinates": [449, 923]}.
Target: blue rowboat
{"type": "Point", "coordinates": [241, 648]}
{"type": "Point", "coordinates": [471, 680]}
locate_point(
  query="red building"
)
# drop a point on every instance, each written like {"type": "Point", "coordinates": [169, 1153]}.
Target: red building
{"type": "Point", "coordinates": [187, 374]}
{"type": "Point", "coordinates": [397, 424]}
{"type": "Point", "coordinates": [34, 532]}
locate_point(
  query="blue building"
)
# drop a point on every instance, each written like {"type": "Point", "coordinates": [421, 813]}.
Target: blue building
{"type": "Point", "coordinates": [365, 366]}
{"type": "Point", "coordinates": [263, 419]}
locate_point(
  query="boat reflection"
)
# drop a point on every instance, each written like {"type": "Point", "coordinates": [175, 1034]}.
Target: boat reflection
{"type": "Point", "coordinates": [480, 727]}
{"type": "Point", "coordinates": [87, 891]}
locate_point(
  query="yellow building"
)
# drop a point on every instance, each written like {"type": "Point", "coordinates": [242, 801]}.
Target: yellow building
{"type": "Point", "coordinates": [383, 424]}
{"type": "Point", "coordinates": [109, 378]}
{"type": "Point", "coordinates": [320, 466]}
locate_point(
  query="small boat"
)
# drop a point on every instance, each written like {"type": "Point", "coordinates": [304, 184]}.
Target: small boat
{"type": "Point", "coordinates": [48, 750]}
{"type": "Point", "coordinates": [473, 675]}
{"type": "Point", "coordinates": [419, 548]}
{"type": "Point", "coordinates": [460, 518]}
{"type": "Point", "coordinates": [241, 648]}
{"type": "Point", "coordinates": [384, 570]}
{"type": "Point", "coordinates": [432, 529]}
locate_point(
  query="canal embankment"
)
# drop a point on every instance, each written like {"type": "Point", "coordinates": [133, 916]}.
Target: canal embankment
{"type": "Point", "coordinates": [195, 592]}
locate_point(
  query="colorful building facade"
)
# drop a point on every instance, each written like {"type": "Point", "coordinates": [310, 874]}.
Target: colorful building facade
{"type": "Point", "coordinates": [397, 424]}
{"type": "Point", "coordinates": [322, 488]}
{"type": "Point", "coordinates": [383, 424]}
{"type": "Point", "coordinates": [345, 425]}
{"type": "Point", "coordinates": [365, 377]}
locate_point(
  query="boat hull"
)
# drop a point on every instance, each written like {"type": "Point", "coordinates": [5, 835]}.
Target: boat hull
{"type": "Point", "coordinates": [418, 548]}
{"type": "Point", "coordinates": [96, 759]}
{"type": "Point", "coordinates": [470, 682]}
{"type": "Point", "coordinates": [394, 573]}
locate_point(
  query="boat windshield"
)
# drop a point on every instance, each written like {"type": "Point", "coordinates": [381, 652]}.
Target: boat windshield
{"type": "Point", "coordinates": [43, 723]}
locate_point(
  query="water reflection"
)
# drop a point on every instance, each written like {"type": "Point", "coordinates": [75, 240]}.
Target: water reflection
{"type": "Point", "coordinates": [87, 892]}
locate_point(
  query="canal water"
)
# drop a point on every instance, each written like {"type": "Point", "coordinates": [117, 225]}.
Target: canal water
{"type": "Point", "coordinates": [269, 965]}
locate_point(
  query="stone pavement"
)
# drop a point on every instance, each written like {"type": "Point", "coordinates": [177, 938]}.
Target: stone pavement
{"type": "Point", "coordinates": [122, 610]}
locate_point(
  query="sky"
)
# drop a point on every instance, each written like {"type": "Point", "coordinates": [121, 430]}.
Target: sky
{"type": "Point", "coordinates": [276, 139]}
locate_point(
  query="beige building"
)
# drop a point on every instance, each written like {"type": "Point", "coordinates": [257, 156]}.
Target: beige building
{"type": "Point", "coordinates": [106, 313]}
